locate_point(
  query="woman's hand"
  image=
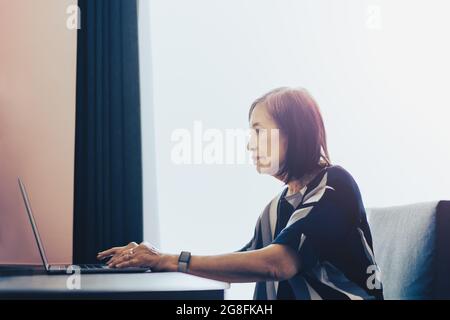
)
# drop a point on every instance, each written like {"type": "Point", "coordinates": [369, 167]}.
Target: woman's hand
{"type": "Point", "coordinates": [133, 255]}
{"type": "Point", "coordinates": [116, 251]}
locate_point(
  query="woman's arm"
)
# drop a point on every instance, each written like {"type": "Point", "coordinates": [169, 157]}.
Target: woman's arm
{"type": "Point", "coordinates": [272, 263]}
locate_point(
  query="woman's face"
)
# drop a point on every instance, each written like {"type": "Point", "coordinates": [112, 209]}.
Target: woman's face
{"type": "Point", "coordinates": [267, 144]}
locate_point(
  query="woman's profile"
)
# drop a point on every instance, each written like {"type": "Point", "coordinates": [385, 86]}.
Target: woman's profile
{"type": "Point", "coordinates": [312, 241]}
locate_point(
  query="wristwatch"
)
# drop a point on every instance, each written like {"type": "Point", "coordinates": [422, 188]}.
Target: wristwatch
{"type": "Point", "coordinates": [183, 261]}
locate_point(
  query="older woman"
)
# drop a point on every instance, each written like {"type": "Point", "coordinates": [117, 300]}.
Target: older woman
{"type": "Point", "coordinates": [312, 241]}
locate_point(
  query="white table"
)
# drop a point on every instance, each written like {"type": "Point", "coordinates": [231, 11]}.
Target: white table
{"type": "Point", "coordinates": [169, 285]}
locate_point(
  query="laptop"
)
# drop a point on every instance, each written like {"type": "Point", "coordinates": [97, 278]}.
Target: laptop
{"type": "Point", "coordinates": [67, 269]}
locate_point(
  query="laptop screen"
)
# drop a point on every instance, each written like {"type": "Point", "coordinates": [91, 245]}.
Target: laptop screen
{"type": "Point", "coordinates": [33, 224]}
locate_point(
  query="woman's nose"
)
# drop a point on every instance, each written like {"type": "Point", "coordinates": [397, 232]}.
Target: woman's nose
{"type": "Point", "coordinates": [251, 146]}
{"type": "Point", "coordinates": [251, 143]}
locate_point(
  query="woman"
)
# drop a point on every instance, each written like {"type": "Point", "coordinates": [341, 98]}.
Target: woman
{"type": "Point", "coordinates": [313, 240]}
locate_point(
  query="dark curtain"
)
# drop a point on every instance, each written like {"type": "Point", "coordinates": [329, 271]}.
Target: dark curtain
{"type": "Point", "coordinates": [108, 170]}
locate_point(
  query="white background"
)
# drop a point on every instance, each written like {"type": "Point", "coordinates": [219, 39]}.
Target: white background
{"type": "Point", "coordinates": [379, 70]}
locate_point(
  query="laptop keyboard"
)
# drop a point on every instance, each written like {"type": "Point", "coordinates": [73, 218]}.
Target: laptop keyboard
{"type": "Point", "coordinates": [93, 266]}
{"type": "Point", "coordinates": [81, 266]}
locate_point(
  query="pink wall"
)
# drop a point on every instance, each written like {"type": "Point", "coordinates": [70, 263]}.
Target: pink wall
{"type": "Point", "coordinates": [37, 126]}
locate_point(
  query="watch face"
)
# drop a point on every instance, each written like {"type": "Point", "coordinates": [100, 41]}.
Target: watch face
{"type": "Point", "coordinates": [184, 256]}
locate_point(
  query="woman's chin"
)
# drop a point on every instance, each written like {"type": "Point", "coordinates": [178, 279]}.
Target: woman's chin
{"type": "Point", "coordinates": [266, 169]}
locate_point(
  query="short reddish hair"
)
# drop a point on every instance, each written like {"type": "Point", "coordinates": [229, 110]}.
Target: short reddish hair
{"type": "Point", "coordinates": [298, 117]}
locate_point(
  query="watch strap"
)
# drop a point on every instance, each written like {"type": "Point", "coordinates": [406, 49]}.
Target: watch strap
{"type": "Point", "coordinates": [183, 261]}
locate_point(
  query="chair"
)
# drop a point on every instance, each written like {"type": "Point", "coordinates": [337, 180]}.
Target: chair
{"type": "Point", "coordinates": [412, 249]}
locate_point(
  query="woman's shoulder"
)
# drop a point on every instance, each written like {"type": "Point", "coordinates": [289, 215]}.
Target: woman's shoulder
{"type": "Point", "coordinates": [340, 178]}
{"type": "Point", "coordinates": [338, 174]}
{"type": "Point", "coordinates": [343, 183]}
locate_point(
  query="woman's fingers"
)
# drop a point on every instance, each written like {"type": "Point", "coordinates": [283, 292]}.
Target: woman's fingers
{"type": "Point", "coordinates": [116, 251]}
{"type": "Point", "coordinates": [114, 259]}
{"type": "Point", "coordinates": [112, 262]}
{"type": "Point", "coordinates": [130, 263]}
{"type": "Point", "coordinates": [122, 258]}
{"type": "Point", "coordinates": [107, 253]}
{"type": "Point", "coordinates": [125, 254]}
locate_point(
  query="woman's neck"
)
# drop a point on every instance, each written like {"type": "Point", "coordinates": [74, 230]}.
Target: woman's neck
{"type": "Point", "coordinates": [296, 185]}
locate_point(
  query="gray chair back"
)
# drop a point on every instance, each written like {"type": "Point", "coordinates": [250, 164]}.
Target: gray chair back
{"type": "Point", "coordinates": [412, 249]}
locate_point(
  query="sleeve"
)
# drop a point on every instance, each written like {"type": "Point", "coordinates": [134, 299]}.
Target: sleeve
{"type": "Point", "coordinates": [320, 227]}
{"type": "Point", "coordinates": [253, 243]}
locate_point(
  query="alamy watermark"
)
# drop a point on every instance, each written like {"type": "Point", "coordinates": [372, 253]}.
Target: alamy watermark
{"type": "Point", "coordinates": [73, 282]}
{"type": "Point", "coordinates": [214, 146]}
{"type": "Point", "coordinates": [374, 280]}
{"type": "Point", "coordinates": [73, 21]}
{"type": "Point", "coordinates": [374, 19]}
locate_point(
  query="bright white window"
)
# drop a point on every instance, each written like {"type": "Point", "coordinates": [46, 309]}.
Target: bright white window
{"type": "Point", "coordinates": [378, 69]}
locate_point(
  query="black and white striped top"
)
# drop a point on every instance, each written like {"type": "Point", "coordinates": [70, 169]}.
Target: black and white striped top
{"type": "Point", "coordinates": [327, 226]}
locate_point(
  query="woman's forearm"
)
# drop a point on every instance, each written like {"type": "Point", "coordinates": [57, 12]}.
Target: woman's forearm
{"type": "Point", "coordinates": [251, 266]}
{"type": "Point", "coordinates": [232, 267]}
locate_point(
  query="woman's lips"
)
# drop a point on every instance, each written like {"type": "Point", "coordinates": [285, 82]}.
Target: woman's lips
{"type": "Point", "coordinates": [257, 159]}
